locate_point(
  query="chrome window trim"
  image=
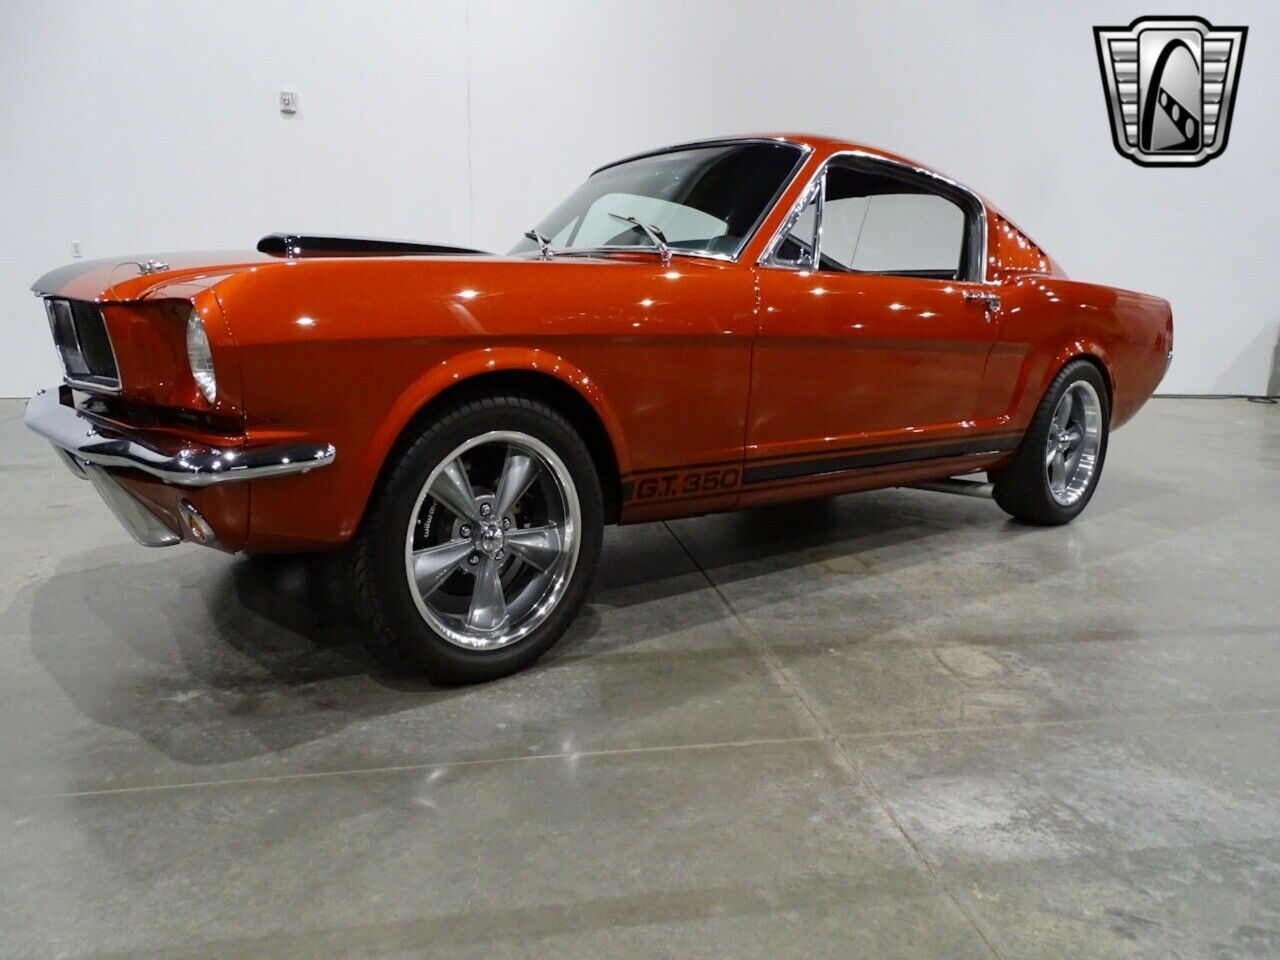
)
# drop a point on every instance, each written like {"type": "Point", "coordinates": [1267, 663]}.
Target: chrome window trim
{"type": "Point", "coordinates": [766, 256]}
{"type": "Point", "coordinates": [816, 184]}
{"type": "Point", "coordinates": [818, 215]}
{"type": "Point", "coordinates": [804, 152]}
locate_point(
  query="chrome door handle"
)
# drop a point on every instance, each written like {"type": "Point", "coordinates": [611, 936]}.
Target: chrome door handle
{"type": "Point", "coordinates": [991, 300]}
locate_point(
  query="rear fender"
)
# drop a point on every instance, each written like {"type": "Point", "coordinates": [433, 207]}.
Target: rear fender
{"type": "Point", "coordinates": [1082, 347]}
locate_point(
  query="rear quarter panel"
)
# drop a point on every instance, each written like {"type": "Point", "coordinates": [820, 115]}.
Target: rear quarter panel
{"type": "Point", "coordinates": [1047, 320]}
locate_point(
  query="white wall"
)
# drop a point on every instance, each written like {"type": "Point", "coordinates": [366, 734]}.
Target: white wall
{"type": "Point", "coordinates": [153, 125]}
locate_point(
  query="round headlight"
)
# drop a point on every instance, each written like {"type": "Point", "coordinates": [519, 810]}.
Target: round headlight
{"type": "Point", "coordinates": [200, 358]}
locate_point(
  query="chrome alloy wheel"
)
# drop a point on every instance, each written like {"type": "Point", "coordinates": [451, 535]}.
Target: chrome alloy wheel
{"type": "Point", "coordinates": [493, 540]}
{"type": "Point", "coordinates": [1075, 440]}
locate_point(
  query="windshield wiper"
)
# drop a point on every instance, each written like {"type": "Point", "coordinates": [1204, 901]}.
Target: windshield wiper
{"type": "Point", "coordinates": [653, 233]}
{"type": "Point", "coordinates": [544, 244]}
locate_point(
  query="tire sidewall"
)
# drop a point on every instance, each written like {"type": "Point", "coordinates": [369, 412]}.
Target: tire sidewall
{"type": "Point", "coordinates": [418, 642]}
{"type": "Point", "coordinates": [1073, 373]}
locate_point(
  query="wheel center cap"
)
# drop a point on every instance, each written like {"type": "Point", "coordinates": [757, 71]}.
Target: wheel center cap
{"type": "Point", "coordinates": [490, 540]}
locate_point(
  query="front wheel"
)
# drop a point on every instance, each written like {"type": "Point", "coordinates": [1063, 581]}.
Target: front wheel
{"type": "Point", "coordinates": [1061, 456]}
{"type": "Point", "coordinates": [480, 546]}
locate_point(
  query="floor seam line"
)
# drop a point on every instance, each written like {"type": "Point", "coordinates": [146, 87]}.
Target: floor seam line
{"type": "Point", "coordinates": [830, 736]}
{"type": "Point", "coordinates": [1077, 721]}
{"type": "Point", "coordinates": [425, 765]}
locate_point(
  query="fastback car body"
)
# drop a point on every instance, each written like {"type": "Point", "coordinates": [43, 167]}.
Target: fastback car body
{"type": "Point", "coordinates": [729, 372]}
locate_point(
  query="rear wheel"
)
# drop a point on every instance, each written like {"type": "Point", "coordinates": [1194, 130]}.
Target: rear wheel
{"type": "Point", "coordinates": [1060, 459]}
{"type": "Point", "coordinates": [478, 551]}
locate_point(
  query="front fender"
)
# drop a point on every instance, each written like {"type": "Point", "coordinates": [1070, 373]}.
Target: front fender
{"type": "Point", "coordinates": [478, 362]}
{"type": "Point", "coordinates": [351, 350]}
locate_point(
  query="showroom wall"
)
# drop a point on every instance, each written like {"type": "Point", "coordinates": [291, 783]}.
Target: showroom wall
{"type": "Point", "coordinates": [149, 126]}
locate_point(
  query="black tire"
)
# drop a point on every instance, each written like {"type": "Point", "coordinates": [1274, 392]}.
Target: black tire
{"type": "Point", "coordinates": [1022, 489]}
{"type": "Point", "coordinates": [399, 635]}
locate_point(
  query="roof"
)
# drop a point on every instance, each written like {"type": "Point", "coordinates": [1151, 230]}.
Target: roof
{"type": "Point", "coordinates": [816, 142]}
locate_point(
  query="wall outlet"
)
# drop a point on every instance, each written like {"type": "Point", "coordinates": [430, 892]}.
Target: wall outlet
{"type": "Point", "coordinates": [75, 249]}
{"type": "Point", "coordinates": [288, 101]}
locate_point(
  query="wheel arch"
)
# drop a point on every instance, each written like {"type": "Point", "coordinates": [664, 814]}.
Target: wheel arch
{"type": "Point", "coordinates": [1091, 353]}
{"type": "Point", "coordinates": [534, 373]}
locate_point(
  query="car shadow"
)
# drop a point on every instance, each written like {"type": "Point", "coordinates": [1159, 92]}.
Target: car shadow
{"type": "Point", "coordinates": [210, 659]}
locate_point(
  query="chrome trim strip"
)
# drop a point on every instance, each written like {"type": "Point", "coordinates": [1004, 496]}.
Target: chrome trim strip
{"type": "Point", "coordinates": [92, 441]}
{"type": "Point", "coordinates": [797, 210]}
{"type": "Point", "coordinates": [633, 248]}
{"type": "Point", "coordinates": [818, 215]}
{"type": "Point", "coordinates": [97, 384]}
{"type": "Point", "coordinates": [785, 227]}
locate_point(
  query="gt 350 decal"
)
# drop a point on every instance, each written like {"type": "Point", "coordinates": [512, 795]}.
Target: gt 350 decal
{"type": "Point", "coordinates": [704, 482]}
{"type": "Point", "coordinates": [687, 483]}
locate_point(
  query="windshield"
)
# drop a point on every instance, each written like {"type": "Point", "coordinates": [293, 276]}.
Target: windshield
{"type": "Point", "coordinates": [703, 200]}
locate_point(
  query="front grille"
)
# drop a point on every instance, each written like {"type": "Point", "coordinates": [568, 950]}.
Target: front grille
{"type": "Point", "coordinates": [80, 334]}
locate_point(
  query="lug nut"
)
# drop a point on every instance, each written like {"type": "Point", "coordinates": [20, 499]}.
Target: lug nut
{"type": "Point", "coordinates": [485, 510]}
{"type": "Point", "coordinates": [498, 555]}
{"type": "Point", "coordinates": [506, 523]}
{"type": "Point", "coordinates": [464, 531]}
{"type": "Point", "coordinates": [473, 559]}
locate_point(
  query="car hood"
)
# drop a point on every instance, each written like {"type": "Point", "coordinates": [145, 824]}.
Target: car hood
{"type": "Point", "coordinates": [138, 276]}
{"type": "Point", "coordinates": [163, 275]}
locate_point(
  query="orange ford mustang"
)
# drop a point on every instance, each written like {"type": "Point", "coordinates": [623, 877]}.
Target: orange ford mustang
{"type": "Point", "coordinates": [705, 327]}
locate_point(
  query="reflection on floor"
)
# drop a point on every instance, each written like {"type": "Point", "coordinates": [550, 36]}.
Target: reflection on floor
{"type": "Point", "coordinates": [889, 725]}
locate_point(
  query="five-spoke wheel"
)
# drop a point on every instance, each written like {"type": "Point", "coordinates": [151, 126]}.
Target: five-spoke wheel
{"type": "Point", "coordinates": [1075, 436]}
{"type": "Point", "coordinates": [1058, 464]}
{"type": "Point", "coordinates": [493, 539]}
{"type": "Point", "coordinates": [477, 551]}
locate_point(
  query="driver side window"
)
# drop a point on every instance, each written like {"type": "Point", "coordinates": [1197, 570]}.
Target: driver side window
{"type": "Point", "coordinates": [874, 219]}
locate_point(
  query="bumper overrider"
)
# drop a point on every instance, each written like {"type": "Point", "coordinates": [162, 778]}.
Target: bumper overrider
{"type": "Point", "coordinates": [89, 446]}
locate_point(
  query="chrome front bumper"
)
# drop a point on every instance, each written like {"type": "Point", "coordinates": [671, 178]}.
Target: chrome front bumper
{"type": "Point", "coordinates": [85, 437]}
{"type": "Point", "coordinates": [88, 444]}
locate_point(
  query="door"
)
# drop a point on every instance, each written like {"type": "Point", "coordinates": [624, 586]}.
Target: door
{"type": "Point", "coordinates": [874, 354]}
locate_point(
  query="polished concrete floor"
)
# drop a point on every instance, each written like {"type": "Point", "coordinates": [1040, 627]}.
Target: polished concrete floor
{"type": "Point", "coordinates": [889, 725]}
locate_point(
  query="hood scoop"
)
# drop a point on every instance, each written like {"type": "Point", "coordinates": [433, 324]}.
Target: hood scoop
{"type": "Point", "coordinates": [293, 245]}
